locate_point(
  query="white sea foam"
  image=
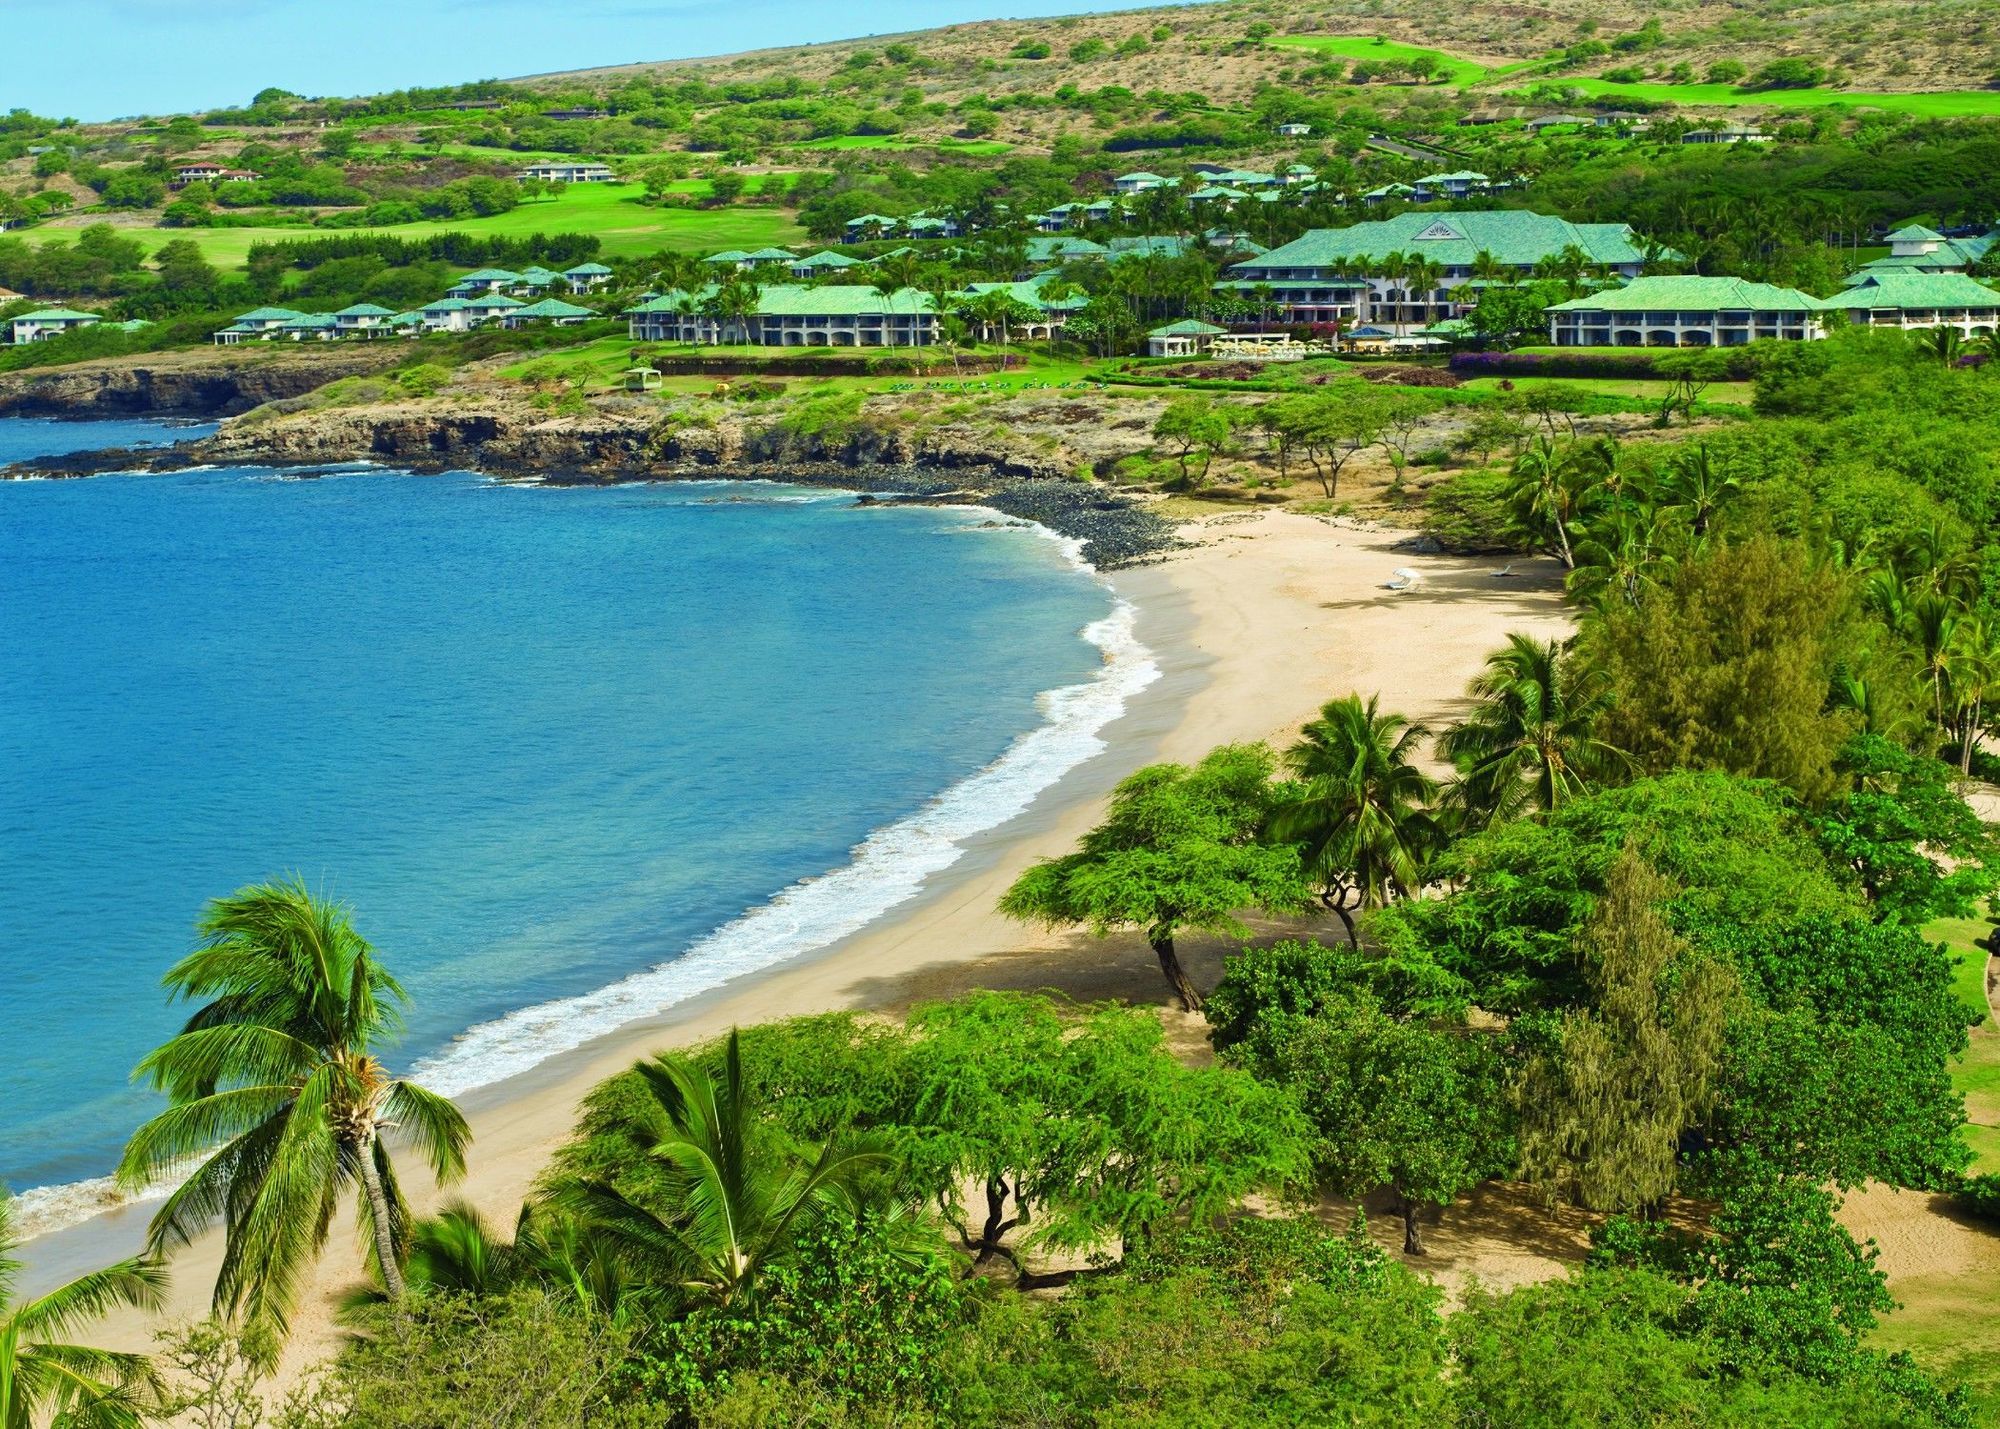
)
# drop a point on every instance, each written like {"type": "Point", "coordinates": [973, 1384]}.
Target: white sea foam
{"type": "Point", "coordinates": [887, 868]}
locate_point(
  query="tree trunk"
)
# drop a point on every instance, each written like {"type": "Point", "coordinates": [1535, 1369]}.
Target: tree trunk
{"type": "Point", "coordinates": [1177, 978]}
{"type": "Point", "coordinates": [996, 1225]}
{"type": "Point", "coordinates": [378, 1222]}
{"type": "Point", "coordinates": [1412, 1243]}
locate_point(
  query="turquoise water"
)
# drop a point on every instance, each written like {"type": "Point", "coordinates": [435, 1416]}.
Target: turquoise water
{"type": "Point", "coordinates": [559, 748]}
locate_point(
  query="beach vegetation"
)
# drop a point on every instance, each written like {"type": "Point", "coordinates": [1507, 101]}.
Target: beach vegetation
{"type": "Point", "coordinates": [279, 1102]}
{"type": "Point", "coordinates": [45, 1376]}
{"type": "Point", "coordinates": [1179, 850]}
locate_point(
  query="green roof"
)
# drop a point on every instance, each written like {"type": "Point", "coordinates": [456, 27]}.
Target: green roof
{"type": "Point", "coordinates": [491, 300]}
{"type": "Point", "coordinates": [1048, 246]}
{"type": "Point", "coordinates": [773, 255]}
{"type": "Point", "coordinates": [1188, 327]}
{"type": "Point", "coordinates": [1029, 293]}
{"type": "Point", "coordinates": [785, 300]}
{"type": "Point", "coordinates": [268, 315]}
{"type": "Point", "coordinates": [491, 275]}
{"type": "Point", "coordinates": [728, 255]}
{"type": "Point", "coordinates": [1141, 177]}
{"type": "Point", "coordinates": [828, 259]}
{"type": "Point", "coordinates": [1691, 294]}
{"type": "Point", "coordinates": [1915, 233]}
{"type": "Point", "coordinates": [364, 310]}
{"type": "Point", "coordinates": [554, 308]}
{"type": "Point", "coordinates": [53, 315]}
{"type": "Point", "coordinates": [312, 322]}
{"type": "Point", "coordinates": [446, 305]}
{"type": "Point", "coordinates": [541, 275]}
{"type": "Point", "coordinates": [1513, 236]}
{"type": "Point", "coordinates": [1916, 290]}
{"type": "Point", "coordinates": [587, 270]}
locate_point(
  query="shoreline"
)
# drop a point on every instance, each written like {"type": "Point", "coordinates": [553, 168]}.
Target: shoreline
{"type": "Point", "coordinates": [1253, 628]}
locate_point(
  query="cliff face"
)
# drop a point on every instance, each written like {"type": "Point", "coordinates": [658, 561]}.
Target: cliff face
{"type": "Point", "coordinates": [184, 384]}
{"type": "Point", "coordinates": [605, 445]}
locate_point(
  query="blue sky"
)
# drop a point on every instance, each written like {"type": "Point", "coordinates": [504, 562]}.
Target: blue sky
{"type": "Point", "coordinates": [122, 57]}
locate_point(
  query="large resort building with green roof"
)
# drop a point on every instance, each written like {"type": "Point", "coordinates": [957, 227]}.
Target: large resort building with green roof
{"type": "Point", "coordinates": [1685, 312]}
{"type": "Point", "coordinates": [1331, 275]}
{"type": "Point", "coordinates": [787, 315]}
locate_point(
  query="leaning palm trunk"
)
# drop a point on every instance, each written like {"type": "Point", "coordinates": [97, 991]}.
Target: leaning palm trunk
{"type": "Point", "coordinates": [1170, 964]}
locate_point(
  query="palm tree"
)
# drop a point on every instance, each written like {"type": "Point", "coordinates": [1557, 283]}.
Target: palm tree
{"type": "Point", "coordinates": [44, 1379]}
{"type": "Point", "coordinates": [1545, 496]}
{"type": "Point", "coordinates": [1532, 739]}
{"type": "Point", "coordinates": [1489, 269]}
{"type": "Point", "coordinates": [734, 1205]}
{"type": "Point", "coordinates": [1694, 485]}
{"type": "Point", "coordinates": [275, 1085]}
{"type": "Point", "coordinates": [1358, 807]}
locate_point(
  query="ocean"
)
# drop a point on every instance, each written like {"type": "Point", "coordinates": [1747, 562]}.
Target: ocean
{"type": "Point", "coordinates": [572, 755]}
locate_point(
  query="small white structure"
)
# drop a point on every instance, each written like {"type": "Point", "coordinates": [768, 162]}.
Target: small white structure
{"type": "Point", "coordinates": [568, 173]}
{"type": "Point", "coordinates": [1295, 131]}
{"type": "Point", "coordinates": [1186, 338]}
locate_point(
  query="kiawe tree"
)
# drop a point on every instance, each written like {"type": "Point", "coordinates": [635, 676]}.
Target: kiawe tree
{"type": "Point", "coordinates": [1178, 850]}
{"type": "Point", "coordinates": [277, 1093]}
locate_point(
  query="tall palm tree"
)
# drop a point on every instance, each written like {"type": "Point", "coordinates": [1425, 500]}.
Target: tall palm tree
{"type": "Point", "coordinates": [1694, 484]}
{"type": "Point", "coordinates": [1532, 739]}
{"type": "Point", "coordinates": [734, 1205]}
{"type": "Point", "coordinates": [45, 1379]}
{"type": "Point", "coordinates": [275, 1087]}
{"type": "Point", "coordinates": [1358, 807]}
{"type": "Point", "coordinates": [1543, 488]}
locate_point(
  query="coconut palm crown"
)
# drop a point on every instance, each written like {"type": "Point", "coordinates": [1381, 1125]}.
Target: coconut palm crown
{"type": "Point", "coordinates": [277, 1097]}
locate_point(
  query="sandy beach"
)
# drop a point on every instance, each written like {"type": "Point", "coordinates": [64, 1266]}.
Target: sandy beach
{"type": "Point", "coordinates": [1265, 618]}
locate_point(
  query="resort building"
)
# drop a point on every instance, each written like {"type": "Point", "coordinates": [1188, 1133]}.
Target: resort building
{"type": "Point", "coordinates": [484, 280]}
{"type": "Point", "coordinates": [447, 315]}
{"type": "Point", "coordinates": [1185, 338]}
{"type": "Point", "coordinates": [838, 315]}
{"type": "Point", "coordinates": [1050, 313]}
{"type": "Point", "coordinates": [48, 322]}
{"type": "Point", "coordinates": [314, 327]}
{"type": "Point", "coordinates": [586, 277]}
{"type": "Point", "coordinates": [1137, 183]}
{"type": "Point", "coordinates": [1294, 131]}
{"type": "Point", "coordinates": [818, 265]}
{"type": "Point", "coordinates": [558, 172]}
{"type": "Point", "coordinates": [1457, 185]}
{"type": "Point", "coordinates": [257, 323]}
{"type": "Point", "coordinates": [1920, 300]}
{"type": "Point", "coordinates": [1331, 275]}
{"type": "Point", "coordinates": [1685, 312]}
{"type": "Point", "coordinates": [1726, 134]}
{"type": "Point", "coordinates": [1042, 250]}
{"type": "Point", "coordinates": [213, 174]}
{"type": "Point", "coordinates": [1916, 249]}
{"type": "Point", "coordinates": [487, 307]}
{"type": "Point", "coordinates": [361, 320]}
{"type": "Point", "coordinates": [869, 225]}
{"type": "Point", "coordinates": [549, 310]}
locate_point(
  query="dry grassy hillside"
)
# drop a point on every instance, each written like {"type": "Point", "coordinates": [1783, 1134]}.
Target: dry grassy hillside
{"type": "Point", "coordinates": [1872, 44]}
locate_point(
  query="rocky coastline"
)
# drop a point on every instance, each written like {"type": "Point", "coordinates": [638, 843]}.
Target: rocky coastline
{"type": "Point", "coordinates": [630, 443]}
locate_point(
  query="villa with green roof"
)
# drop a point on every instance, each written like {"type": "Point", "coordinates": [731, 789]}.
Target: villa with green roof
{"type": "Point", "coordinates": [1182, 339]}
{"type": "Point", "coordinates": [1052, 313]}
{"type": "Point", "coordinates": [48, 322]}
{"type": "Point", "coordinates": [361, 320]}
{"type": "Point", "coordinates": [257, 323]}
{"type": "Point", "coordinates": [549, 310]}
{"type": "Point", "coordinates": [1920, 300]}
{"type": "Point", "coordinates": [821, 263]}
{"type": "Point", "coordinates": [1327, 275]}
{"type": "Point", "coordinates": [1685, 312]}
{"type": "Point", "coordinates": [586, 277]}
{"type": "Point", "coordinates": [1916, 249]}
{"type": "Point", "coordinates": [485, 280]}
{"type": "Point", "coordinates": [1136, 183]}
{"type": "Point", "coordinates": [837, 315]}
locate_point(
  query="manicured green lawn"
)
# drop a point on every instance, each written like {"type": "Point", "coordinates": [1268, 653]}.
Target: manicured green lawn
{"type": "Point", "coordinates": [1727, 393]}
{"type": "Point", "coordinates": [601, 362]}
{"type": "Point", "coordinates": [1943, 104]}
{"type": "Point", "coordinates": [896, 143]}
{"type": "Point", "coordinates": [1362, 47]}
{"type": "Point", "coordinates": [612, 212]}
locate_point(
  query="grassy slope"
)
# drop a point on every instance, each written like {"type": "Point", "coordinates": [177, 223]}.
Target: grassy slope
{"type": "Point", "coordinates": [609, 211]}
{"type": "Point", "coordinates": [1359, 47]}
{"type": "Point", "coordinates": [1943, 104]}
